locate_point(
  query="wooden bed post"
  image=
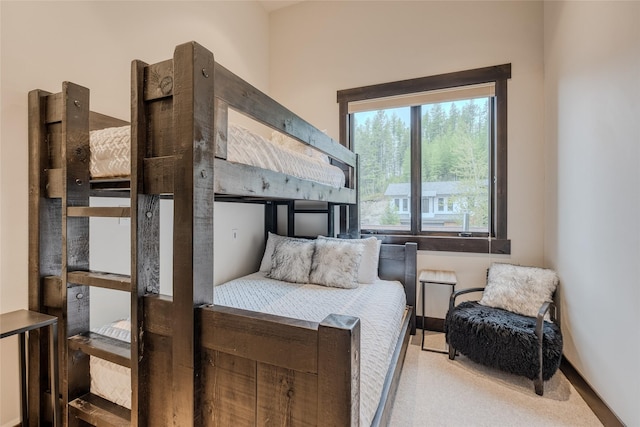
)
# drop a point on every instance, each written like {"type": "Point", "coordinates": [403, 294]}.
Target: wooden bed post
{"type": "Point", "coordinates": [58, 242]}
{"type": "Point", "coordinates": [145, 246]}
{"type": "Point", "coordinates": [194, 131]}
{"type": "Point", "coordinates": [339, 371]}
{"type": "Point", "coordinates": [42, 262]}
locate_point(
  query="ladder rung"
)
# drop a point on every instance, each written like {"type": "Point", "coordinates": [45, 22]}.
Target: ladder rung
{"type": "Point", "coordinates": [118, 282]}
{"type": "Point", "coordinates": [99, 211]}
{"type": "Point", "coordinates": [107, 348]}
{"type": "Point", "coordinates": [97, 411]}
{"type": "Point", "coordinates": [110, 184]}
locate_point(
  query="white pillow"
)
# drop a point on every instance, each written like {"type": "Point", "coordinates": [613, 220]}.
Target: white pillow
{"type": "Point", "coordinates": [291, 260]}
{"type": "Point", "coordinates": [272, 240]}
{"type": "Point", "coordinates": [368, 270]}
{"type": "Point", "coordinates": [335, 263]}
{"type": "Point", "coordinates": [519, 289]}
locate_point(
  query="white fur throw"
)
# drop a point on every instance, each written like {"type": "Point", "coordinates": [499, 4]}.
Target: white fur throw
{"type": "Point", "coordinates": [272, 240]}
{"type": "Point", "coordinates": [291, 260]}
{"type": "Point", "coordinates": [368, 270]}
{"type": "Point", "coordinates": [519, 289]}
{"type": "Point", "coordinates": [335, 263]}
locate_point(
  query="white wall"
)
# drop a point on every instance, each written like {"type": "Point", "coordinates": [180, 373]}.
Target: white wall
{"type": "Point", "coordinates": [318, 48]}
{"type": "Point", "coordinates": [92, 44]}
{"type": "Point", "coordinates": [592, 87]}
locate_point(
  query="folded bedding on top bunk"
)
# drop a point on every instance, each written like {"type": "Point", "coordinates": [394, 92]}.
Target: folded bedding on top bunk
{"type": "Point", "coordinates": [379, 305]}
{"type": "Point", "coordinates": [110, 155]}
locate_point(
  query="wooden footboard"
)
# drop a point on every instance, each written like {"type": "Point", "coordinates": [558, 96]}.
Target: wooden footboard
{"type": "Point", "coordinates": [260, 369]}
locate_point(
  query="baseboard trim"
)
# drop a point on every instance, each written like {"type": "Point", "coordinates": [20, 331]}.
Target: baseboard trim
{"type": "Point", "coordinates": [597, 405]}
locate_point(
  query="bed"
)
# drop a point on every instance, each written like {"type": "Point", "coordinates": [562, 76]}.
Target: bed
{"type": "Point", "coordinates": [380, 307]}
{"type": "Point", "coordinates": [214, 363]}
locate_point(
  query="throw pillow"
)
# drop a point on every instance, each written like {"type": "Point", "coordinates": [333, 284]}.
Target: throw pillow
{"type": "Point", "coordinates": [335, 263]}
{"type": "Point", "coordinates": [272, 240]}
{"type": "Point", "coordinates": [368, 270]}
{"type": "Point", "coordinates": [519, 289]}
{"type": "Point", "coordinates": [291, 260]}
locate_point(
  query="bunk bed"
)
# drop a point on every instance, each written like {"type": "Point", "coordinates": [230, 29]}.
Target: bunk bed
{"type": "Point", "coordinates": [191, 361]}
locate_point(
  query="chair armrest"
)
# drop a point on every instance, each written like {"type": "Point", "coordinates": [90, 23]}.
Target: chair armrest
{"type": "Point", "coordinates": [544, 309]}
{"type": "Point", "coordinates": [456, 294]}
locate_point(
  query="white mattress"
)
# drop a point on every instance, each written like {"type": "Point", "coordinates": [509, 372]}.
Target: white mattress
{"type": "Point", "coordinates": [380, 307]}
{"type": "Point", "coordinates": [110, 156]}
{"type": "Point", "coordinates": [109, 380]}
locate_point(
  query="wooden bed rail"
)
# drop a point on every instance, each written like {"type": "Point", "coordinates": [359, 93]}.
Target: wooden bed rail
{"type": "Point", "coordinates": [232, 91]}
{"type": "Point", "coordinates": [243, 97]}
{"type": "Point", "coordinates": [156, 88]}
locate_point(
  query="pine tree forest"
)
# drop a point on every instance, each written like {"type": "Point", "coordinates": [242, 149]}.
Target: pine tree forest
{"type": "Point", "coordinates": [455, 148]}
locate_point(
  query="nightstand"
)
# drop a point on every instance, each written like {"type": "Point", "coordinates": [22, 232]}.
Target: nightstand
{"type": "Point", "coordinates": [20, 322]}
{"type": "Point", "coordinates": [434, 277]}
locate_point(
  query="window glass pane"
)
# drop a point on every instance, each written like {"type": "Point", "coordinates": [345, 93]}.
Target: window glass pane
{"type": "Point", "coordinates": [455, 164]}
{"type": "Point", "coordinates": [382, 139]}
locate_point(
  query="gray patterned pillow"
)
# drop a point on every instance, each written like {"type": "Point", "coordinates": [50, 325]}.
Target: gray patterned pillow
{"type": "Point", "coordinates": [335, 263]}
{"type": "Point", "coordinates": [368, 270]}
{"type": "Point", "coordinates": [519, 289]}
{"type": "Point", "coordinates": [272, 240]}
{"type": "Point", "coordinates": [291, 260]}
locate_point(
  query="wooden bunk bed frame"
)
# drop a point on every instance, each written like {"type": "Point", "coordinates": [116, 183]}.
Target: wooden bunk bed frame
{"type": "Point", "coordinates": [192, 363]}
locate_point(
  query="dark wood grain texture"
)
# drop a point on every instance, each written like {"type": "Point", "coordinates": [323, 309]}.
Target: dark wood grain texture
{"type": "Point", "coordinates": [193, 110]}
{"type": "Point", "coordinates": [339, 371]}
{"type": "Point", "coordinates": [75, 235]}
{"type": "Point", "coordinates": [41, 261]}
{"type": "Point", "coordinates": [107, 348]}
{"type": "Point", "coordinates": [96, 411]}
{"type": "Point", "coordinates": [145, 247]}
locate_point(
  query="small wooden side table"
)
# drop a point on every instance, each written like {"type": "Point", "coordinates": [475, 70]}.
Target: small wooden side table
{"type": "Point", "coordinates": [434, 277]}
{"type": "Point", "coordinates": [20, 322]}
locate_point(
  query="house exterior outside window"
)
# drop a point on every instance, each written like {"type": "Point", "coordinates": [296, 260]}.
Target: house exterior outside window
{"type": "Point", "coordinates": [432, 153]}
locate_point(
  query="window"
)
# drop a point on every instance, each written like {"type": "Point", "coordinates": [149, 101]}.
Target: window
{"type": "Point", "coordinates": [432, 159]}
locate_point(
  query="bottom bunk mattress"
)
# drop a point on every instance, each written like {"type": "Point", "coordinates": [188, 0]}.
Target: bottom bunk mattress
{"type": "Point", "coordinates": [380, 306]}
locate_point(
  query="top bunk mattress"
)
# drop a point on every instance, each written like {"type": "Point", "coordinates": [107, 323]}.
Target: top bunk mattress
{"type": "Point", "coordinates": [110, 155]}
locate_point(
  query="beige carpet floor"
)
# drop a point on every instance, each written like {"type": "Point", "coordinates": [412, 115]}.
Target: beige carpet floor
{"type": "Point", "coordinates": [436, 391]}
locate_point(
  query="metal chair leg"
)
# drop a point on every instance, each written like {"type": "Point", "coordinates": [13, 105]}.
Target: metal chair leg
{"type": "Point", "coordinates": [539, 386]}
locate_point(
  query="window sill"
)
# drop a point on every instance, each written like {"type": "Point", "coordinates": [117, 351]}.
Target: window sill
{"type": "Point", "coordinates": [450, 244]}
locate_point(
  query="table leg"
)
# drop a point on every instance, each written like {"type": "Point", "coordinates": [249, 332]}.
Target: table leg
{"type": "Point", "coordinates": [55, 382]}
{"type": "Point", "coordinates": [23, 381]}
{"type": "Point", "coordinates": [424, 317]}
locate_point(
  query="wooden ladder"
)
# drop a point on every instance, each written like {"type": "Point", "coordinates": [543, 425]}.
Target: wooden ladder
{"type": "Point", "coordinates": [59, 276]}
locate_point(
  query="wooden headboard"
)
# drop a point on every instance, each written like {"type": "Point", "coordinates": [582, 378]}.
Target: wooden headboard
{"type": "Point", "coordinates": [399, 262]}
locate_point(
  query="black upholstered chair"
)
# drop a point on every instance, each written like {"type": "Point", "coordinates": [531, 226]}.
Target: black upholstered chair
{"type": "Point", "coordinates": [526, 345]}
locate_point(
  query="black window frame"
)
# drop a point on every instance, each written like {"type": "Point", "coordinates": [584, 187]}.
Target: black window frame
{"type": "Point", "coordinates": [496, 240]}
